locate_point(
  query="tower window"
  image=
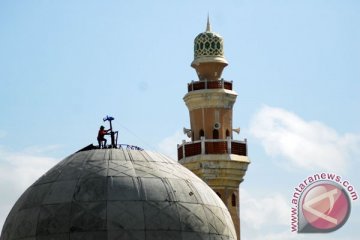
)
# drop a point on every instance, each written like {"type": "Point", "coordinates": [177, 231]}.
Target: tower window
{"type": "Point", "coordinates": [227, 133]}
{"type": "Point", "coordinates": [215, 134]}
{"type": "Point", "coordinates": [201, 133]}
{"type": "Point", "coordinates": [233, 200]}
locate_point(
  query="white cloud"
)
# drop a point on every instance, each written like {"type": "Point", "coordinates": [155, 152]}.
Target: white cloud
{"type": "Point", "coordinates": [32, 150]}
{"type": "Point", "coordinates": [168, 145]}
{"type": "Point", "coordinates": [306, 144]}
{"type": "Point", "coordinates": [287, 235]}
{"type": "Point", "coordinates": [2, 133]}
{"type": "Point", "coordinates": [265, 217]}
{"type": "Point", "coordinates": [18, 170]}
{"type": "Point", "coordinates": [268, 218]}
{"type": "Point", "coordinates": [284, 235]}
{"type": "Point", "coordinates": [256, 212]}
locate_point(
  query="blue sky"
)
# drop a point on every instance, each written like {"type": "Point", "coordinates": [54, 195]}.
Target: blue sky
{"type": "Point", "coordinates": [64, 65]}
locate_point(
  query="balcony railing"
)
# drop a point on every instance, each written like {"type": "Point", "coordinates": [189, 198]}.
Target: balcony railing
{"type": "Point", "coordinates": [200, 85]}
{"type": "Point", "coordinates": [211, 146]}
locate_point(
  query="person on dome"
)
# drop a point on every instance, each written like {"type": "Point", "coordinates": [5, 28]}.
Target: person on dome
{"type": "Point", "coordinates": [101, 136]}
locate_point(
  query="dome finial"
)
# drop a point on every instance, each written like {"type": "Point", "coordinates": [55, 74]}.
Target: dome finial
{"type": "Point", "coordinates": [208, 26]}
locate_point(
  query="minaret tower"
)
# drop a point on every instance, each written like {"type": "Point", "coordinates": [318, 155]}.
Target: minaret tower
{"type": "Point", "coordinates": [213, 154]}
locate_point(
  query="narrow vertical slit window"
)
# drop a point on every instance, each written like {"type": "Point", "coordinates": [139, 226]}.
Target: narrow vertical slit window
{"type": "Point", "coordinates": [227, 133]}
{"type": "Point", "coordinates": [233, 200]}
{"type": "Point", "coordinates": [216, 134]}
{"type": "Point", "coordinates": [201, 133]}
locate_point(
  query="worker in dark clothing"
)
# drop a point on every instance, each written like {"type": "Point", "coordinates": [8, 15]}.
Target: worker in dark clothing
{"type": "Point", "coordinates": [101, 137]}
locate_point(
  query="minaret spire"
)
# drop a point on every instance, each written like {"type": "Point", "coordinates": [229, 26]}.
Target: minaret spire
{"type": "Point", "coordinates": [213, 154]}
{"type": "Point", "coordinates": [208, 26]}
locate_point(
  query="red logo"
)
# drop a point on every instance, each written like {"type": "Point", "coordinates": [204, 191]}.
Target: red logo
{"type": "Point", "coordinates": [325, 207]}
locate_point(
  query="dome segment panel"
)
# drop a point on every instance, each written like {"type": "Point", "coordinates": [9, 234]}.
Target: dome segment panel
{"type": "Point", "coordinates": [118, 194]}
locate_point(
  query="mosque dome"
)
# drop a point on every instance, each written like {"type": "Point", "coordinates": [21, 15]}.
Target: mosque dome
{"type": "Point", "coordinates": [108, 194]}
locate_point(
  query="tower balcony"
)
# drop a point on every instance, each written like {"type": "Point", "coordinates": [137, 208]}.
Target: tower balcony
{"type": "Point", "coordinates": [201, 85]}
{"type": "Point", "coordinates": [212, 146]}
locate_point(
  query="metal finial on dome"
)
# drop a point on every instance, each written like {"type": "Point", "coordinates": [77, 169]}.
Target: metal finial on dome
{"type": "Point", "coordinates": [208, 26]}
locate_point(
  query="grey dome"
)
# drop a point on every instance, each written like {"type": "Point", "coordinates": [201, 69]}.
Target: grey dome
{"type": "Point", "coordinates": [121, 194]}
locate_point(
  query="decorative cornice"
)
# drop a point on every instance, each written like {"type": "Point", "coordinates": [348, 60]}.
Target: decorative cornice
{"type": "Point", "coordinates": [210, 98]}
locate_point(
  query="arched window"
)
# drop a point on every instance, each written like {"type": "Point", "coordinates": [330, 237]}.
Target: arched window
{"type": "Point", "coordinates": [218, 194]}
{"type": "Point", "coordinates": [201, 133]}
{"type": "Point", "coordinates": [233, 200]}
{"type": "Point", "coordinates": [215, 134]}
{"type": "Point", "coordinates": [227, 133]}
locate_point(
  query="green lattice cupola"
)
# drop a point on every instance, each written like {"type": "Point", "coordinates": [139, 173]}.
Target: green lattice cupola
{"type": "Point", "coordinates": [209, 54]}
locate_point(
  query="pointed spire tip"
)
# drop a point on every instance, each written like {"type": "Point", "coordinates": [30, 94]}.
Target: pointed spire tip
{"type": "Point", "coordinates": [208, 26]}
